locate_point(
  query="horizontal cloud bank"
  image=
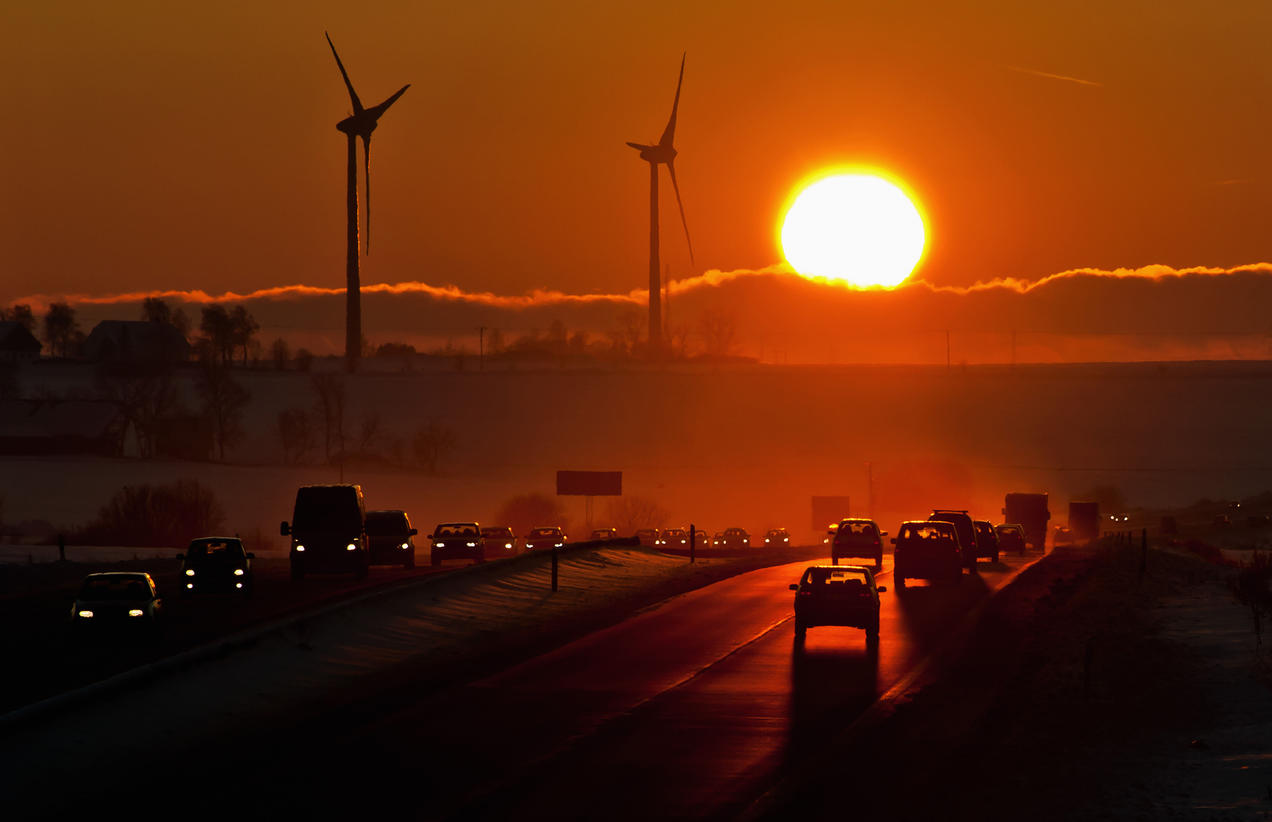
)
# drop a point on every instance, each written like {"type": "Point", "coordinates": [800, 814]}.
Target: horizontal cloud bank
{"type": "Point", "coordinates": [1154, 312]}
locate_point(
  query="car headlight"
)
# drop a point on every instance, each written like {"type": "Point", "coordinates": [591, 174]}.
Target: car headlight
{"type": "Point", "coordinates": [786, 539]}
{"type": "Point", "coordinates": [351, 547]}
{"type": "Point", "coordinates": [439, 545]}
{"type": "Point", "coordinates": [85, 614]}
{"type": "Point", "coordinates": [560, 544]}
{"type": "Point", "coordinates": [189, 584]}
{"type": "Point", "coordinates": [766, 539]}
{"type": "Point", "coordinates": [300, 548]}
{"type": "Point", "coordinates": [189, 572]}
{"type": "Point", "coordinates": [507, 544]}
{"type": "Point", "coordinates": [238, 572]}
{"type": "Point", "coordinates": [238, 585]}
{"type": "Point", "coordinates": [472, 545]}
{"type": "Point", "coordinates": [136, 612]}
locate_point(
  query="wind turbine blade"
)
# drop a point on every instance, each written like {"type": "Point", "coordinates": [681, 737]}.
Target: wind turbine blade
{"type": "Point", "coordinates": [366, 177]}
{"type": "Point", "coordinates": [670, 133]}
{"type": "Point", "coordinates": [383, 107]}
{"type": "Point", "coordinates": [353, 95]}
{"type": "Point", "coordinates": [671, 168]}
{"type": "Point", "coordinates": [638, 146]}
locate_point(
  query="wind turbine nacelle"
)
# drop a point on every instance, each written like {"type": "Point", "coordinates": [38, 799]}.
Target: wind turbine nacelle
{"type": "Point", "coordinates": [356, 126]}
{"type": "Point", "coordinates": [655, 154]}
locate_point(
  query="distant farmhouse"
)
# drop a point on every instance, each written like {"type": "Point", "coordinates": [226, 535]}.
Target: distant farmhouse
{"type": "Point", "coordinates": [136, 341]}
{"type": "Point", "coordinates": [17, 344]}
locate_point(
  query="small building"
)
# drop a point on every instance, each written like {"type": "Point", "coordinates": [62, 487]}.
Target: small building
{"type": "Point", "coordinates": [17, 344]}
{"type": "Point", "coordinates": [136, 341]}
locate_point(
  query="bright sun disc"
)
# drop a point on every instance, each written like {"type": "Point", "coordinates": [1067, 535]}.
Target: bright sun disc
{"type": "Point", "coordinates": [856, 228]}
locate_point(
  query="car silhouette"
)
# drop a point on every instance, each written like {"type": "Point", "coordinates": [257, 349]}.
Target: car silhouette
{"type": "Point", "coordinates": [216, 565]}
{"type": "Point", "coordinates": [390, 538]}
{"type": "Point", "coordinates": [1063, 536]}
{"type": "Point", "coordinates": [328, 531]}
{"type": "Point", "coordinates": [966, 532]}
{"type": "Point", "coordinates": [986, 539]}
{"type": "Point", "coordinates": [456, 540]}
{"type": "Point", "coordinates": [499, 538]}
{"type": "Point", "coordinates": [838, 595]}
{"type": "Point", "coordinates": [117, 604]}
{"type": "Point", "coordinates": [927, 550]}
{"type": "Point", "coordinates": [647, 536]}
{"type": "Point", "coordinates": [777, 537]}
{"type": "Point", "coordinates": [546, 537]}
{"type": "Point", "coordinates": [732, 538]}
{"type": "Point", "coordinates": [674, 537]}
{"type": "Point", "coordinates": [857, 538]}
{"type": "Point", "coordinates": [604, 534]}
{"type": "Point", "coordinates": [1011, 537]}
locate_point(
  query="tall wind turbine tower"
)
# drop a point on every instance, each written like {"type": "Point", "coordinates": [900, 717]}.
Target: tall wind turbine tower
{"type": "Point", "coordinates": [359, 124]}
{"type": "Point", "coordinates": [662, 152]}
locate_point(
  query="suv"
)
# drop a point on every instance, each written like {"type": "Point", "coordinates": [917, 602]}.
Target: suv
{"type": "Point", "coordinates": [987, 539]}
{"type": "Point", "coordinates": [546, 537]}
{"type": "Point", "coordinates": [1011, 537]}
{"type": "Point", "coordinates": [857, 538]}
{"type": "Point", "coordinates": [838, 595]}
{"type": "Point", "coordinates": [216, 564]}
{"type": "Point", "coordinates": [389, 538]}
{"type": "Point", "coordinates": [962, 522]}
{"type": "Point", "coordinates": [675, 537]}
{"type": "Point", "coordinates": [927, 550]}
{"type": "Point", "coordinates": [501, 537]}
{"type": "Point", "coordinates": [734, 538]}
{"type": "Point", "coordinates": [328, 531]}
{"type": "Point", "coordinates": [456, 540]}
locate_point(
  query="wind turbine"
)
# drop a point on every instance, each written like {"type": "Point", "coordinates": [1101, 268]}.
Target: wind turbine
{"type": "Point", "coordinates": [662, 152]}
{"type": "Point", "coordinates": [359, 124]}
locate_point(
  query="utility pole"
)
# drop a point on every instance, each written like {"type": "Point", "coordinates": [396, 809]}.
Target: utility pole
{"type": "Point", "coordinates": [1013, 347]}
{"type": "Point", "coordinates": [947, 348]}
{"type": "Point", "coordinates": [481, 348]}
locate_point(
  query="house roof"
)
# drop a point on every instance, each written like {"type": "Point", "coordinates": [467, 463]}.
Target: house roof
{"type": "Point", "coordinates": [136, 340]}
{"type": "Point", "coordinates": [15, 337]}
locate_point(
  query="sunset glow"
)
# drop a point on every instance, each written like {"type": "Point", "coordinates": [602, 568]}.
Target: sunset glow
{"type": "Point", "coordinates": [855, 228]}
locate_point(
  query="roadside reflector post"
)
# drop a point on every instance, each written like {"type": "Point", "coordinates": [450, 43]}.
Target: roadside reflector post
{"type": "Point", "coordinates": [693, 539]}
{"type": "Point", "coordinates": [554, 568]}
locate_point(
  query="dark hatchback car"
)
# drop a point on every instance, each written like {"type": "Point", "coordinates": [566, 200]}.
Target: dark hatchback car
{"type": "Point", "coordinates": [927, 550]}
{"type": "Point", "coordinates": [986, 539]}
{"type": "Point", "coordinates": [117, 604]}
{"type": "Point", "coordinates": [838, 595]}
{"type": "Point", "coordinates": [499, 539]}
{"type": "Point", "coordinates": [858, 538]}
{"type": "Point", "coordinates": [390, 538]}
{"type": "Point", "coordinates": [777, 538]}
{"type": "Point", "coordinates": [732, 538]}
{"type": "Point", "coordinates": [1011, 537]}
{"type": "Point", "coordinates": [962, 522]}
{"type": "Point", "coordinates": [457, 540]}
{"type": "Point", "coordinates": [216, 565]}
{"type": "Point", "coordinates": [545, 538]}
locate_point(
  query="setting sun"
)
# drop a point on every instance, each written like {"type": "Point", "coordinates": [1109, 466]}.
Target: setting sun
{"type": "Point", "coordinates": [856, 228]}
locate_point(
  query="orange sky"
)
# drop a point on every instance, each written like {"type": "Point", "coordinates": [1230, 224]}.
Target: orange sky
{"type": "Point", "coordinates": [148, 145]}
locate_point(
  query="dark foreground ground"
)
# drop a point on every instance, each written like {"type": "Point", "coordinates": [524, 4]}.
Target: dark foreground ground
{"type": "Point", "coordinates": [1087, 691]}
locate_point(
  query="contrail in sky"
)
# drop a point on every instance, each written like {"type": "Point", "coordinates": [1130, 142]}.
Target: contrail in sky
{"type": "Point", "coordinates": [1051, 76]}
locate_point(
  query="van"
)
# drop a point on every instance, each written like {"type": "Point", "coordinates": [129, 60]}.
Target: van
{"type": "Point", "coordinates": [328, 531]}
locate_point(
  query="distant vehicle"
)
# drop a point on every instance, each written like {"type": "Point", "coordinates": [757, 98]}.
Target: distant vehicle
{"type": "Point", "coordinates": [1011, 537]}
{"type": "Point", "coordinates": [927, 550]}
{"type": "Point", "coordinates": [966, 529]}
{"type": "Point", "coordinates": [673, 537]}
{"type": "Point", "coordinates": [1031, 513]}
{"type": "Point", "coordinates": [1118, 518]}
{"type": "Point", "coordinates": [1063, 536]}
{"type": "Point", "coordinates": [986, 539]}
{"type": "Point", "coordinates": [604, 534]}
{"type": "Point", "coordinates": [777, 537]}
{"type": "Point", "coordinates": [830, 533]}
{"type": "Point", "coordinates": [390, 538]}
{"type": "Point", "coordinates": [647, 536]}
{"type": "Point", "coordinates": [456, 540]}
{"type": "Point", "coordinates": [499, 538]}
{"type": "Point", "coordinates": [732, 538]}
{"type": "Point", "coordinates": [216, 564]}
{"type": "Point", "coordinates": [1084, 520]}
{"type": "Point", "coordinates": [547, 537]}
{"type": "Point", "coordinates": [328, 531]}
{"type": "Point", "coordinates": [119, 604]}
{"type": "Point", "coordinates": [858, 538]}
{"type": "Point", "coordinates": [838, 595]}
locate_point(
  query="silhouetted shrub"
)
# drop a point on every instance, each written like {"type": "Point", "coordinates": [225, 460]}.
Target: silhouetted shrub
{"type": "Point", "coordinates": [526, 511]}
{"type": "Point", "coordinates": [155, 515]}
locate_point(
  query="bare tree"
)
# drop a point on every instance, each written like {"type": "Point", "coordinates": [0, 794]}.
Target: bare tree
{"type": "Point", "coordinates": [329, 406]}
{"type": "Point", "coordinates": [218, 331]}
{"type": "Point", "coordinates": [526, 511]}
{"type": "Point", "coordinates": [369, 433]}
{"type": "Point", "coordinates": [719, 331]}
{"type": "Point", "coordinates": [155, 310]}
{"type": "Point", "coordinates": [431, 443]}
{"type": "Point", "coordinates": [20, 314]}
{"type": "Point", "coordinates": [223, 403]}
{"type": "Point", "coordinates": [280, 353]}
{"type": "Point", "coordinates": [296, 434]}
{"type": "Point", "coordinates": [243, 327]}
{"type": "Point", "coordinates": [629, 513]}
{"type": "Point", "coordinates": [60, 328]}
{"type": "Point", "coordinates": [304, 359]}
{"type": "Point", "coordinates": [146, 393]}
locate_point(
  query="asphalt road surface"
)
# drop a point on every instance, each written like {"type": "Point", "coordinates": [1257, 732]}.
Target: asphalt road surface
{"type": "Point", "coordinates": [688, 710]}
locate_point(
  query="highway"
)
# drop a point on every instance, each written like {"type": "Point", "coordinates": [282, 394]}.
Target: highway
{"type": "Point", "coordinates": [689, 710]}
